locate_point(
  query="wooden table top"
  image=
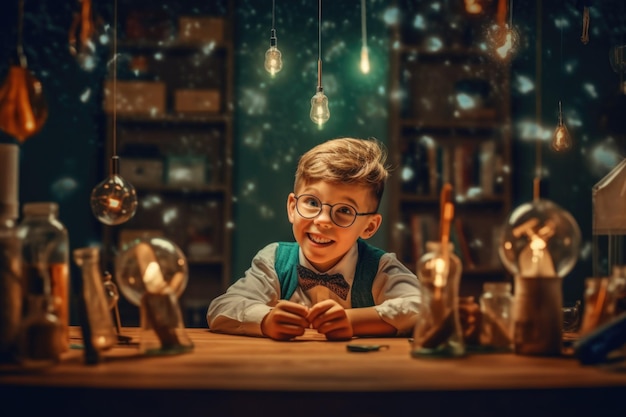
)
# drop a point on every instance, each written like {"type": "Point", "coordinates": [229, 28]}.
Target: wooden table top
{"type": "Point", "coordinates": [226, 363]}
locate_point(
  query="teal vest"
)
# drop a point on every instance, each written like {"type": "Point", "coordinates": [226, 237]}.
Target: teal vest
{"type": "Point", "coordinates": [366, 269]}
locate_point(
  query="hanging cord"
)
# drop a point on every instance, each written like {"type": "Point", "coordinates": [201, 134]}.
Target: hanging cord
{"type": "Point", "coordinates": [319, 46]}
{"type": "Point", "coordinates": [363, 24]}
{"type": "Point", "coordinates": [537, 180]}
{"type": "Point", "coordinates": [20, 35]}
{"type": "Point", "coordinates": [273, 13]}
{"type": "Point", "coordinates": [115, 79]}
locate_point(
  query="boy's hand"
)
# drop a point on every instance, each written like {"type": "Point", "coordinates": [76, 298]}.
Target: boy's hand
{"type": "Point", "coordinates": [285, 321]}
{"type": "Point", "coordinates": [330, 319]}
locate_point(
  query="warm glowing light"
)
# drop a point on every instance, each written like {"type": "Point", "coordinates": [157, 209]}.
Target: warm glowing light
{"type": "Point", "coordinates": [365, 60]}
{"type": "Point", "coordinates": [561, 140]}
{"type": "Point", "coordinates": [273, 60]}
{"type": "Point", "coordinates": [319, 108]}
{"type": "Point", "coordinates": [114, 201]}
{"type": "Point", "coordinates": [473, 7]}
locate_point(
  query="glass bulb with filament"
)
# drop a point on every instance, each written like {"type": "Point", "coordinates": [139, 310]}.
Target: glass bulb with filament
{"type": "Point", "coordinates": [561, 140]}
{"type": "Point", "coordinates": [540, 239]}
{"type": "Point", "coordinates": [273, 57]}
{"type": "Point", "coordinates": [23, 108]}
{"type": "Point", "coordinates": [365, 60]}
{"type": "Point", "coordinates": [503, 40]}
{"type": "Point", "coordinates": [319, 108]}
{"type": "Point", "coordinates": [114, 200]}
{"type": "Point", "coordinates": [273, 60]}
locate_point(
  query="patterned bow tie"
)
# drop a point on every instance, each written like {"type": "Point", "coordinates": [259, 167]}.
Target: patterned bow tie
{"type": "Point", "coordinates": [335, 282]}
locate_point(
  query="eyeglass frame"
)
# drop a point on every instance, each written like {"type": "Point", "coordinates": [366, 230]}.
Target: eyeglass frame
{"type": "Point", "coordinates": [356, 213]}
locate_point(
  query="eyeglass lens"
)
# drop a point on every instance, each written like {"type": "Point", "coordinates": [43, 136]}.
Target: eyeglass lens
{"type": "Point", "coordinates": [309, 206]}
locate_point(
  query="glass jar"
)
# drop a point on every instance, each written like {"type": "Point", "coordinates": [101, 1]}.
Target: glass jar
{"type": "Point", "coordinates": [496, 305]}
{"type": "Point", "coordinates": [40, 340]}
{"type": "Point", "coordinates": [45, 259]}
{"type": "Point", "coordinates": [438, 331]}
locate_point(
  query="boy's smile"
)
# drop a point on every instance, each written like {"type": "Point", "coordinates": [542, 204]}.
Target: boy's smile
{"type": "Point", "coordinates": [322, 241]}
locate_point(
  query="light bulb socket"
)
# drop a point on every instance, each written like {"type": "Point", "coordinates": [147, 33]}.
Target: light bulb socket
{"type": "Point", "coordinates": [114, 166]}
{"type": "Point", "coordinates": [273, 38]}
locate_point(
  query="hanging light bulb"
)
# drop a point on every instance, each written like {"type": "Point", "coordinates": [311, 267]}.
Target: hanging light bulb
{"type": "Point", "coordinates": [319, 102]}
{"type": "Point", "coordinates": [82, 36]}
{"type": "Point", "coordinates": [273, 57]}
{"type": "Point", "coordinates": [365, 57]}
{"type": "Point", "coordinates": [561, 140]}
{"type": "Point", "coordinates": [23, 109]}
{"type": "Point", "coordinates": [114, 200]}
{"type": "Point", "coordinates": [319, 108]}
{"type": "Point", "coordinates": [503, 38]}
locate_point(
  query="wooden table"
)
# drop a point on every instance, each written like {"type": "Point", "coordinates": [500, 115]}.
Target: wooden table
{"type": "Point", "coordinates": [236, 375]}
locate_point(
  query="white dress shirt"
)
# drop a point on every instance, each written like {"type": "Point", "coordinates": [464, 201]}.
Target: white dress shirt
{"type": "Point", "coordinates": [396, 292]}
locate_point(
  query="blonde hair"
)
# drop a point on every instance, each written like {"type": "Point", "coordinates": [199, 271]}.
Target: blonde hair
{"type": "Point", "coordinates": [346, 161]}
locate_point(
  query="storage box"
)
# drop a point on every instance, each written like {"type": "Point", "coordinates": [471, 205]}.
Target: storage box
{"type": "Point", "coordinates": [139, 171]}
{"type": "Point", "coordinates": [191, 100]}
{"type": "Point", "coordinates": [135, 97]}
{"type": "Point", "coordinates": [186, 170]}
{"type": "Point", "coordinates": [201, 29]}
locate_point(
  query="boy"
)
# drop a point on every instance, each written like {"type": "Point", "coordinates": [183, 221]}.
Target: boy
{"type": "Point", "coordinates": [363, 291]}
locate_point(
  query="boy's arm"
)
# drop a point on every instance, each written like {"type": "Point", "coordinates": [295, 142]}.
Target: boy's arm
{"type": "Point", "coordinates": [397, 295]}
{"type": "Point", "coordinates": [367, 322]}
{"type": "Point", "coordinates": [241, 309]}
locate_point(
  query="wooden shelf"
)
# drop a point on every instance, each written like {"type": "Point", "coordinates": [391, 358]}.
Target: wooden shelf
{"type": "Point", "coordinates": [179, 162]}
{"type": "Point", "coordinates": [450, 124]}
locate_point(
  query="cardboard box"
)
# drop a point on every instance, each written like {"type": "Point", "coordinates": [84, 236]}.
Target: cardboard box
{"type": "Point", "coordinates": [201, 29]}
{"type": "Point", "coordinates": [191, 101]}
{"type": "Point", "coordinates": [139, 171]}
{"type": "Point", "coordinates": [135, 97]}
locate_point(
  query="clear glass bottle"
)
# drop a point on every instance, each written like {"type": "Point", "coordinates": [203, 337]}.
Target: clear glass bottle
{"type": "Point", "coordinates": [10, 288]}
{"type": "Point", "coordinates": [10, 259]}
{"type": "Point", "coordinates": [438, 331]}
{"type": "Point", "coordinates": [45, 259]}
{"type": "Point", "coordinates": [99, 318]}
{"type": "Point", "coordinates": [40, 340]}
{"type": "Point", "coordinates": [496, 305]}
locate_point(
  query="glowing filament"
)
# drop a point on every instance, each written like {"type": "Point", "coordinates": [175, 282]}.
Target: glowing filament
{"type": "Point", "coordinates": [365, 60]}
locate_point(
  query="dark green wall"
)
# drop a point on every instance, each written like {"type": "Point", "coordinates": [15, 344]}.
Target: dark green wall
{"type": "Point", "coordinates": [64, 161]}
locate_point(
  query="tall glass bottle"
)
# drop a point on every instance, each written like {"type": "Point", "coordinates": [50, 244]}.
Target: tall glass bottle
{"type": "Point", "coordinates": [99, 318]}
{"type": "Point", "coordinates": [496, 305]}
{"type": "Point", "coordinates": [10, 259]}
{"type": "Point", "coordinates": [438, 331]}
{"type": "Point", "coordinates": [45, 260]}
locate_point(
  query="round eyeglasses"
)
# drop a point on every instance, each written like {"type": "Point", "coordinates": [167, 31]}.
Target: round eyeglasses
{"type": "Point", "coordinates": [342, 214]}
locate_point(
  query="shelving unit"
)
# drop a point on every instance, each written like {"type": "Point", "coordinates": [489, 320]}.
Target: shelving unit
{"type": "Point", "coordinates": [449, 122]}
{"type": "Point", "coordinates": [174, 137]}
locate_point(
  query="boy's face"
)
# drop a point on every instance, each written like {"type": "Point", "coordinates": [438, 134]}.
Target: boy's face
{"type": "Point", "coordinates": [322, 241]}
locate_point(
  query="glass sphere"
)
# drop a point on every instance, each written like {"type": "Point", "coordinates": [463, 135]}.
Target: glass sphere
{"type": "Point", "coordinates": [114, 200]}
{"type": "Point", "coordinates": [151, 265]}
{"type": "Point", "coordinates": [540, 239]}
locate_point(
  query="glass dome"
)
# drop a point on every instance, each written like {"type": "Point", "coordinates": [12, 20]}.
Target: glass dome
{"type": "Point", "coordinates": [540, 239]}
{"type": "Point", "coordinates": [151, 265]}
